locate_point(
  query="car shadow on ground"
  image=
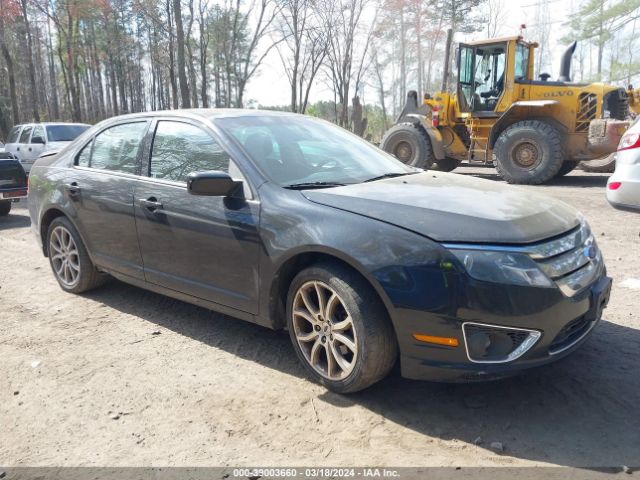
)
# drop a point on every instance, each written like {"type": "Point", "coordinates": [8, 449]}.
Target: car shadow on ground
{"type": "Point", "coordinates": [15, 219]}
{"type": "Point", "coordinates": [582, 411]}
{"type": "Point", "coordinates": [579, 180]}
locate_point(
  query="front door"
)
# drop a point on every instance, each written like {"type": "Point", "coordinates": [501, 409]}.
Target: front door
{"type": "Point", "coordinates": [206, 247]}
{"type": "Point", "coordinates": [481, 77]}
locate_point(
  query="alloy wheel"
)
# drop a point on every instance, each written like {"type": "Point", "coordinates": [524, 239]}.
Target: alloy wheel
{"type": "Point", "coordinates": [324, 330]}
{"type": "Point", "coordinates": [65, 258]}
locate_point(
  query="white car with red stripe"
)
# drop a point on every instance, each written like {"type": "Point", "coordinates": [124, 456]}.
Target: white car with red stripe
{"type": "Point", "coordinates": [623, 187]}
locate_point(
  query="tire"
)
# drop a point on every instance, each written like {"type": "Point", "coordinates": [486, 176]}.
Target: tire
{"type": "Point", "coordinates": [373, 349]}
{"type": "Point", "coordinates": [567, 167]}
{"type": "Point", "coordinates": [64, 242]}
{"type": "Point", "coordinates": [410, 144]}
{"type": "Point", "coordinates": [600, 165]}
{"type": "Point", "coordinates": [447, 164]}
{"type": "Point", "coordinates": [529, 152]}
{"type": "Point", "coordinates": [5, 207]}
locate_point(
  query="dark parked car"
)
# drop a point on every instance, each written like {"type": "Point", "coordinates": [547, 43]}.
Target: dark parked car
{"type": "Point", "coordinates": [291, 222]}
{"type": "Point", "coordinates": [13, 182]}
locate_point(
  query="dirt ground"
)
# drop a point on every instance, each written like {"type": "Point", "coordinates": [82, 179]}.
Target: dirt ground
{"type": "Point", "coordinates": [124, 377]}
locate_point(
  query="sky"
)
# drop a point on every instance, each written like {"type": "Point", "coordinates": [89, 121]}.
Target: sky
{"type": "Point", "coordinates": [270, 86]}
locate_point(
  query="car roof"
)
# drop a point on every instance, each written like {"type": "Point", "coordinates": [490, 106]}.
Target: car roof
{"type": "Point", "coordinates": [209, 113]}
{"type": "Point", "coordinates": [48, 124]}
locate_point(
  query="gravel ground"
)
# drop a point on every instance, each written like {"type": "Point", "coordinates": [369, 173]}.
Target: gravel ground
{"type": "Point", "coordinates": [124, 377]}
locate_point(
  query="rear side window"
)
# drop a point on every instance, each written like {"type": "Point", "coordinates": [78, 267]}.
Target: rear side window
{"type": "Point", "coordinates": [24, 138]}
{"type": "Point", "coordinates": [14, 134]}
{"type": "Point", "coordinates": [115, 149]}
{"type": "Point", "coordinates": [180, 149]}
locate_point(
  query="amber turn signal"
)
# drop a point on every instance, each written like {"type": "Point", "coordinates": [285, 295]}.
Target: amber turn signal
{"type": "Point", "coordinates": [450, 342]}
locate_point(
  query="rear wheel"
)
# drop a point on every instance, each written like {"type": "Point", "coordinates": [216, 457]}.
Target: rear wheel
{"type": "Point", "coordinates": [529, 152]}
{"type": "Point", "coordinates": [447, 164]}
{"type": "Point", "coordinates": [567, 167]}
{"type": "Point", "coordinates": [69, 259]}
{"type": "Point", "coordinates": [410, 144]}
{"type": "Point", "coordinates": [5, 207]}
{"type": "Point", "coordinates": [339, 328]}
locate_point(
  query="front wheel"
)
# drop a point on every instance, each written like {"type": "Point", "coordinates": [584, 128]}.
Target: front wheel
{"type": "Point", "coordinates": [529, 152]}
{"type": "Point", "coordinates": [410, 144]}
{"type": "Point", "coordinates": [339, 328]}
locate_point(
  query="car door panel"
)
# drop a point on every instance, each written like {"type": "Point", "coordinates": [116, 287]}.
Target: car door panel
{"type": "Point", "coordinates": [104, 209]}
{"type": "Point", "coordinates": [203, 246]}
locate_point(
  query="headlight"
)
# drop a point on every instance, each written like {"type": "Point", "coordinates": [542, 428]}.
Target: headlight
{"type": "Point", "coordinates": [502, 267]}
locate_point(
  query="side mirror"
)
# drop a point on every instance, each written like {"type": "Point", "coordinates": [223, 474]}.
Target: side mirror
{"type": "Point", "coordinates": [212, 184]}
{"type": "Point", "coordinates": [39, 140]}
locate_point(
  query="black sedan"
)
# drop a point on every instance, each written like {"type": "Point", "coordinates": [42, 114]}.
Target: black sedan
{"type": "Point", "coordinates": [293, 223]}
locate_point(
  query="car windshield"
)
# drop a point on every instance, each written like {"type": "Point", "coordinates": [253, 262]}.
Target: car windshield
{"type": "Point", "coordinates": [298, 151]}
{"type": "Point", "coordinates": [64, 133]}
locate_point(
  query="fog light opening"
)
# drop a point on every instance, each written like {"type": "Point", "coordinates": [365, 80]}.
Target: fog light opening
{"type": "Point", "coordinates": [496, 344]}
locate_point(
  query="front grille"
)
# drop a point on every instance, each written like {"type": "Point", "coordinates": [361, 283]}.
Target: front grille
{"type": "Point", "coordinates": [587, 106]}
{"type": "Point", "coordinates": [617, 104]}
{"type": "Point", "coordinates": [573, 260]}
{"type": "Point", "coordinates": [570, 334]}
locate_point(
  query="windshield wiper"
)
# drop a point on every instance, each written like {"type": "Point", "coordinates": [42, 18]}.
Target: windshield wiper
{"type": "Point", "coordinates": [305, 185]}
{"type": "Point", "coordinates": [390, 175]}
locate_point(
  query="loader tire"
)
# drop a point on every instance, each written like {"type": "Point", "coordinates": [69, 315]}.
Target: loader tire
{"type": "Point", "coordinates": [529, 152]}
{"type": "Point", "coordinates": [447, 164]}
{"type": "Point", "coordinates": [567, 167]}
{"type": "Point", "coordinates": [410, 144]}
{"type": "Point", "coordinates": [600, 165]}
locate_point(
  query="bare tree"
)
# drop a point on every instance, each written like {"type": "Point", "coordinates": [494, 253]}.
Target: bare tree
{"type": "Point", "coordinates": [304, 48]}
{"type": "Point", "coordinates": [341, 20]}
{"type": "Point", "coordinates": [496, 17]}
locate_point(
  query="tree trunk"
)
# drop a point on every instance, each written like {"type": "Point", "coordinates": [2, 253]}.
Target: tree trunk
{"type": "Point", "coordinates": [32, 74]}
{"type": "Point", "coordinates": [182, 74]}
{"type": "Point", "coordinates": [15, 114]}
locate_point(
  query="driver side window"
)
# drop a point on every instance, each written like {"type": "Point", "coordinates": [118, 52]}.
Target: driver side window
{"type": "Point", "coordinates": [181, 148]}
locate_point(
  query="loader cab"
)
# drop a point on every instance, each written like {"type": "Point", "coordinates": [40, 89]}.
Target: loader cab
{"type": "Point", "coordinates": [486, 72]}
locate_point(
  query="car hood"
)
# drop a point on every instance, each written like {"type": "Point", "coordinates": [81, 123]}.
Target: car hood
{"type": "Point", "coordinates": [449, 207]}
{"type": "Point", "coordinates": [55, 146]}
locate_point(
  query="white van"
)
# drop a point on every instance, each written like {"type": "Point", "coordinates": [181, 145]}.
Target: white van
{"type": "Point", "coordinates": [28, 141]}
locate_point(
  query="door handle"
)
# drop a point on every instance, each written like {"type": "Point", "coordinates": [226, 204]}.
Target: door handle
{"type": "Point", "coordinates": [18, 149]}
{"type": "Point", "coordinates": [151, 204]}
{"type": "Point", "coordinates": [73, 189]}
{"type": "Point", "coordinates": [29, 148]}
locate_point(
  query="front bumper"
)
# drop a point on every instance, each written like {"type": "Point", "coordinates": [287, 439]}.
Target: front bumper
{"type": "Point", "coordinates": [564, 323]}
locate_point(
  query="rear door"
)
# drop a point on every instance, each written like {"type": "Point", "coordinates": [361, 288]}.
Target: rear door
{"type": "Point", "coordinates": [206, 247]}
{"type": "Point", "coordinates": [23, 140]}
{"type": "Point", "coordinates": [12, 139]}
{"type": "Point", "coordinates": [33, 148]}
{"type": "Point", "coordinates": [100, 188]}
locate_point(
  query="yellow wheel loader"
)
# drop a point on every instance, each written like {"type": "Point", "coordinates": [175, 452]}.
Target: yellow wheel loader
{"type": "Point", "coordinates": [531, 129]}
